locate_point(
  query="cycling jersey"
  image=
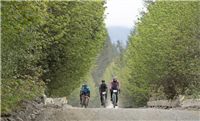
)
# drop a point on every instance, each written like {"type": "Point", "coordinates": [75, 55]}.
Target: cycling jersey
{"type": "Point", "coordinates": [85, 90]}
{"type": "Point", "coordinates": [115, 85]}
{"type": "Point", "coordinates": [103, 87]}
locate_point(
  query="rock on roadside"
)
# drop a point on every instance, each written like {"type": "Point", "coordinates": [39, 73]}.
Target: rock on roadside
{"type": "Point", "coordinates": [28, 110]}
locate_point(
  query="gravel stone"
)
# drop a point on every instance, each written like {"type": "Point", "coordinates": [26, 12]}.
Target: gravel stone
{"type": "Point", "coordinates": [32, 116]}
{"type": "Point", "coordinates": [11, 119]}
{"type": "Point", "coordinates": [19, 119]}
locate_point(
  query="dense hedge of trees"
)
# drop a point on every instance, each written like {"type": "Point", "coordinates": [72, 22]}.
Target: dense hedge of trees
{"type": "Point", "coordinates": [20, 51]}
{"type": "Point", "coordinates": [50, 45]}
{"type": "Point", "coordinates": [163, 52]}
{"type": "Point", "coordinates": [75, 32]}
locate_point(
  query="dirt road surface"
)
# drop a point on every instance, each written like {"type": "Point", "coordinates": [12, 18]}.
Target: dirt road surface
{"type": "Point", "coordinates": [117, 114]}
{"type": "Point", "coordinates": [59, 110]}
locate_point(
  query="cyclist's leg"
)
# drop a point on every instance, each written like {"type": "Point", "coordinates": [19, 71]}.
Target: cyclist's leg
{"type": "Point", "coordinates": [81, 98]}
{"type": "Point", "coordinates": [101, 97]}
{"type": "Point", "coordinates": [83, 95]}
{"type": "Point", "coordinates": [111, 95]}
{"type": "Point", "coordinates": [106, 96]}
{"type": "Point", "coordinates": [88, 97]}
{"type": "Point", "coordinates": [116, 96]}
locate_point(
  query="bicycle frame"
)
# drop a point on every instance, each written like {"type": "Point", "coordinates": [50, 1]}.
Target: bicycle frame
{"type": "Point", "coordinates": [84, 101]}
{"type": "Point", "coordinates": [114, 98]}
{"type": "Point", "coordinates": [103, 97]}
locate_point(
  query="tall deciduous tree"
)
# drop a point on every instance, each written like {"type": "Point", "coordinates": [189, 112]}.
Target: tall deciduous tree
{"type": "Point", "coordinates": [162, 51]}
{"type": "Point", "coordinates": [48, 40]}
{"type": "Point", "coordinates": [76, 32]}
{"type": "Point", "coordinates": [20, 51]}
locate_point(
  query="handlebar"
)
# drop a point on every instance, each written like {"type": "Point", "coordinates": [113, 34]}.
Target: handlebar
{"type": "Point", "coordinates": [117, 91]}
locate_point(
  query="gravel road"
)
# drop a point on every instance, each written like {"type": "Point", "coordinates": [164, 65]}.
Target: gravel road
{"type": "Point", "coordinates": [61, 111]}
{"type": "Point", "coordinates": [117, 114]}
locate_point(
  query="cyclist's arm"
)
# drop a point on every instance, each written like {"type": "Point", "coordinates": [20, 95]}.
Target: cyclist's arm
{"type": "Point", "coordinates": [119, 84]}
{"type": "Point", "coordinates": [106, 87]}
{"type": "Point", "coordinates": [110, 84]}
{"type": "Point", "coordinates": [100, 88]}
{"type": "Point", "coordinates": [89, 93]}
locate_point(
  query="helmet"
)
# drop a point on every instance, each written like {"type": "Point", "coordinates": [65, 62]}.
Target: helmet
{"type": "Point", "coordinates": [85, 84]}
{"type": "Point", "coordinates": [114, 77]}
{"type": "Point", "coordinates": [103, 80]}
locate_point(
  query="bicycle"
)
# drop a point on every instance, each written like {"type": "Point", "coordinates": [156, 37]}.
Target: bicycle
{"type": "Point", "coordinates": [104, 99]}
{"type": "Point", "coordinates": [85, 101]}
{"type": "Point", "coordinates": [114, 98]}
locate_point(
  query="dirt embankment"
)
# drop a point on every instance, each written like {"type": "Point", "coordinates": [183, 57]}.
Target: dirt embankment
{"type": "Point", "coordinates": [28, 110]}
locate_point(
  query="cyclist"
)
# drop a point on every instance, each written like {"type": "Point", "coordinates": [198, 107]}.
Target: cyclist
{"type": "Point", "coordinates": [86, 92]}
{"type": "Point", "coordinates": [103, 88]}
{"type": "Point", "coordinates": [81, 93]}
{"type": "Point", "coordinates": [114, 85]}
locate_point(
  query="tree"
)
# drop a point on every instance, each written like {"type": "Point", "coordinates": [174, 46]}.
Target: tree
{"type": "Point", "coordinates": [163, 48]}
{"type": "Point", "coordinates": [162, 51]}
{"type": "Point", "coordinates": [48, 40]}
{"type": "Point", "coordinates": [21, 51]}
{"type": "Point", "coordinates": [76, 32]}
{"type": "Point", "coordinates": [106, 56]}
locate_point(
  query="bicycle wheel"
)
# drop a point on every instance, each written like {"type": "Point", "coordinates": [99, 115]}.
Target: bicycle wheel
{"type": "Point", "coordinates": [86, 102]}
{"type": "Point", "coordinates": [82, 103]}
{"type": "Point", "coordinates": [104, 101]}
{"type": "Point", "coordinates": [114, 100]}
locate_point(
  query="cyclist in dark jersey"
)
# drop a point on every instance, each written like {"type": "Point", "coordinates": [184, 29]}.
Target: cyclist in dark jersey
{"type": "Point", "coordinates": [103, 88]}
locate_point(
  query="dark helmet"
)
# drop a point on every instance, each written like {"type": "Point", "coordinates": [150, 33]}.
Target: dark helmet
{"type": "Point", "coordinates": [103, 80]}
{"type": "Point", "coordinates": [85, 84]}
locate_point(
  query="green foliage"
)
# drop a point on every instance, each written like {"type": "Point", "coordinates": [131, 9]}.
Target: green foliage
{"type": "Point", "coordinates": [20, 52]}
{"type": "Point", "coordinates": [193, 90]}
{"type": "Point", "coordinates": [106, 56]}
{"type": "Point", "coordinates": [43, 41]}
{"type": "Point", "coordinates": [163, 50]}
{"type": "Point", "coordinates": [166, 45]}
{"type": "Point", "coordinates": [157, 93]}
{"type": "Point", "coordinates": [76, 32]}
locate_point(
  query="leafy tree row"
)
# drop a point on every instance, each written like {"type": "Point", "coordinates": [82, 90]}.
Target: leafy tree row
{"type": "Point", "coordinates": [50, 45]}
{"type": "Point", "coordinates": [75, 32]}
{"type": "Point", "coordinates": [105, 58]}
{"type": "Point", "coordinates": [162, 51]}
{"type": "Point", "coordinates": [20, 51]}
